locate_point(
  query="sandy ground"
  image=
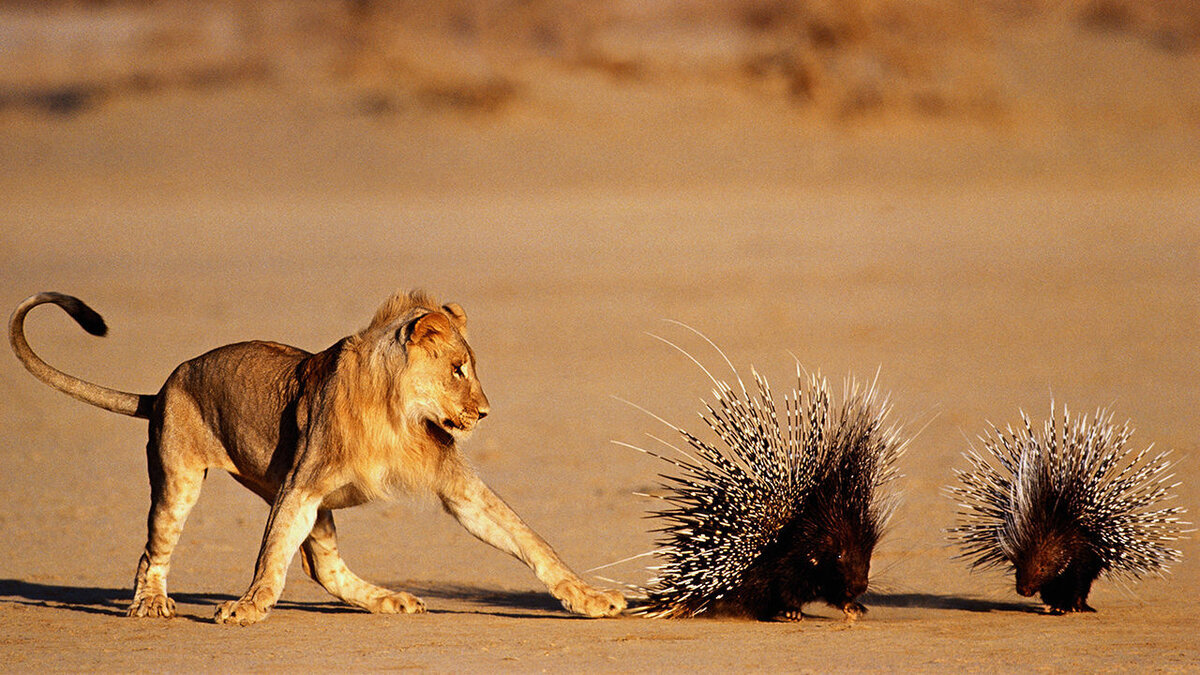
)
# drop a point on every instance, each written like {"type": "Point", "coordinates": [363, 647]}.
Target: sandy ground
{"type": "Point", "coordinates": [980, 267]}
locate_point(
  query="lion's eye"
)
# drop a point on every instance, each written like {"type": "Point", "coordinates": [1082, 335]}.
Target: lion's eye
{"type": "Point", "coordinates": [460, 371]}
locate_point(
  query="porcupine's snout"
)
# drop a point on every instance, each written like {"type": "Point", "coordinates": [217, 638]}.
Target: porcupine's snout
{"type": "Point", "coordinates": [1035, 564]}
{"type": "Point", "coordinates": [1029, 581]}
{"type": "Point", "coordinates": [842, 590]}
{"type": "Point", "coordinates": [854, 567]}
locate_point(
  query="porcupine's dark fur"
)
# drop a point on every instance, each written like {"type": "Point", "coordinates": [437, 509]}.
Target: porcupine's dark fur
{"type": "Point", "coordinates": [1063, 507]}
{"type": "Point", "coordinates": [776, 515]}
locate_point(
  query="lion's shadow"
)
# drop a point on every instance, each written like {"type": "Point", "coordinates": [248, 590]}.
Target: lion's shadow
{"type": "Point", "coordinates": [114, 601]}
{"type": "Point", "coordinates": [87, 599]}
{"type": "Point", "coordinates": [517, 603]}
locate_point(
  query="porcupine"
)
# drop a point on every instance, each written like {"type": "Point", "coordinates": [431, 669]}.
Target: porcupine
{"type": "Point", "coordinates": [1064, 506]}
{"type": "Point", "coordinates": [777, 515]}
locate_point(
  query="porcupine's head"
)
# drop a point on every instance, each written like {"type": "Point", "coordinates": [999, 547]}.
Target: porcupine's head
{"type": "Point", "coordinates": [777, 514]}
{"type": "Point", "coordinates": [1063, 506]}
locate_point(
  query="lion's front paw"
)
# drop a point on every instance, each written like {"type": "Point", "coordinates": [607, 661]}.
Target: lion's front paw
{"type": "Point", "coordinates": [397, 603]}
{"type": "Point", "coordinates": [239, 613]}
{"type": "Point", "coordinates": [579, 598]}
{"type": "Point", "coordinates": [152, 605]}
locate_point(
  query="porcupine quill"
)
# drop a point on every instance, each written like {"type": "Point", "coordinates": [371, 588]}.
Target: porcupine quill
{"type": "Point", "coordinates": [779, 513]}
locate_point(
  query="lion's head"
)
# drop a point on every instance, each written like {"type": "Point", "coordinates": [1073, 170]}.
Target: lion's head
{"type": "Point", "coordinates": [443, 386]}
{"type": "Point", "coordinates": [423, 367]}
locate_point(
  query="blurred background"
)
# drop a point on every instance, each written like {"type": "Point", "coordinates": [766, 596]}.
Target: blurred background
{"type": "Point", "coordinates": [836, 59]}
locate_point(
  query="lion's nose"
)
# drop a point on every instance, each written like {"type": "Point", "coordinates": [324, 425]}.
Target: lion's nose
{"type": "Point", "coordinates": [483, 412]}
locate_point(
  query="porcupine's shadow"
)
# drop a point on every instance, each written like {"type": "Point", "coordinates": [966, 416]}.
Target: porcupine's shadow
{"type": "Point", "coordinates": [935, 601]}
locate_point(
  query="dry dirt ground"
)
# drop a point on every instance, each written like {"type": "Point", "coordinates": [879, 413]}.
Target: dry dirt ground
{"type": "Point", "coordinates": [982, 267]}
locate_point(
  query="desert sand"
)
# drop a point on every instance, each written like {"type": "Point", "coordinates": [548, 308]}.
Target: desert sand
{"type": "Point", "coordinates": [982, 263]}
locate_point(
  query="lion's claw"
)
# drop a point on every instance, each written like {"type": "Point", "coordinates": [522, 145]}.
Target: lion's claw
{"type": "Point", "coordinates": [579, 598]}
{"type": "Point", "coordinates": [152, 606]}
{"type": "Point", "coordinates": [239, 613]}
{"type": "Point", "coordinates": [397, 603]}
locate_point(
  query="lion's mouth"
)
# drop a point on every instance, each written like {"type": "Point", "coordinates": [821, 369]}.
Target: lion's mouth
{"type": "Point", "coordinates": [453, 428]}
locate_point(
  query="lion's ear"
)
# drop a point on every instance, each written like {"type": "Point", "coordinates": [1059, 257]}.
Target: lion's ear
{"type": "Point", "coordinates": [427, 328]}
{"type": "Point", "coordinates": [457, 315]}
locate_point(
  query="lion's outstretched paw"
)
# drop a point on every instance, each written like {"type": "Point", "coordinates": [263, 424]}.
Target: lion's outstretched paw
{"type": "Point", "coordinates": [398, 602]}
{"type": "Point", "coordinates": [579, 598]}
{"type": "Point", "coordinates": [152, 605]}
{"type": "Point", "coordinates": [239, 613]}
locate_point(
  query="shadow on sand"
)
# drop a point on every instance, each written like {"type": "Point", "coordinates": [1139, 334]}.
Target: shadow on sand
{"type": "Point", "coordinates": [522, 604]}
{"type": "Point", "coordinates": [114, 601]}
{"type": "Point", "coordinates": [106, 601]}
{"type": "Point", "coordinates": [500, 602]}
{"type": "Point", "coordinates": [935, 601]}
{"type": "Point", "coordinates": [918, 600]}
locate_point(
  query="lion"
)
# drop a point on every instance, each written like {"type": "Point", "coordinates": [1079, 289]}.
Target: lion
{"type": "Point", "coordinates": [378, 413]}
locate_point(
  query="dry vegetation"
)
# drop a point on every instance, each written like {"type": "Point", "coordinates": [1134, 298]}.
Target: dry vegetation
{"type": "Point", "coordinates": [840, 58]}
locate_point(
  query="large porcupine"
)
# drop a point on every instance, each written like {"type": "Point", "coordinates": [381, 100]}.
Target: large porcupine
{"type": "Point", "coordinates": [776, 515]}
{"type": "Point", "coordinates": [1064, 506]}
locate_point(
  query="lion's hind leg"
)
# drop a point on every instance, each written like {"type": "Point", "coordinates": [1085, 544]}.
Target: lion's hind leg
{"type": "Point", "coordinates": [319, 555]}
{"type": "Point", "coordinates": [173, 492]}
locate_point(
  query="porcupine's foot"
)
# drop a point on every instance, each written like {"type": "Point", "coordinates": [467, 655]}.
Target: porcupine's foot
{"type": "Point", "coordinates": [1081, 608]}
{"type": "Point", "coordinates": [579, 598]}
{"type": "Point", "coordinates": [853, 611]}
{"type": "Point", "coordinates": [790, 616]}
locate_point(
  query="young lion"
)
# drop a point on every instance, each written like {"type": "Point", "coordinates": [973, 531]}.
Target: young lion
{"type": "Point", "coordinates": [378, 412]}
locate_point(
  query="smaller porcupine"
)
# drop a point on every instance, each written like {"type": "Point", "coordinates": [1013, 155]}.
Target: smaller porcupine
{"type": "Point", "coordinates": [782, 515]}
{"type": "Point", "coordinates": [1064, 506]}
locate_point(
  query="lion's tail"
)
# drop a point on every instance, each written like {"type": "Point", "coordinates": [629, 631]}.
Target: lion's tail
{"type": "Point", "coordinates": [134, 405]}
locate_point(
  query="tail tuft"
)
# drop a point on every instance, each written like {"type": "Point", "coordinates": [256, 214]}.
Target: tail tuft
{"type": "Point", "coordinates": [85, 316]}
